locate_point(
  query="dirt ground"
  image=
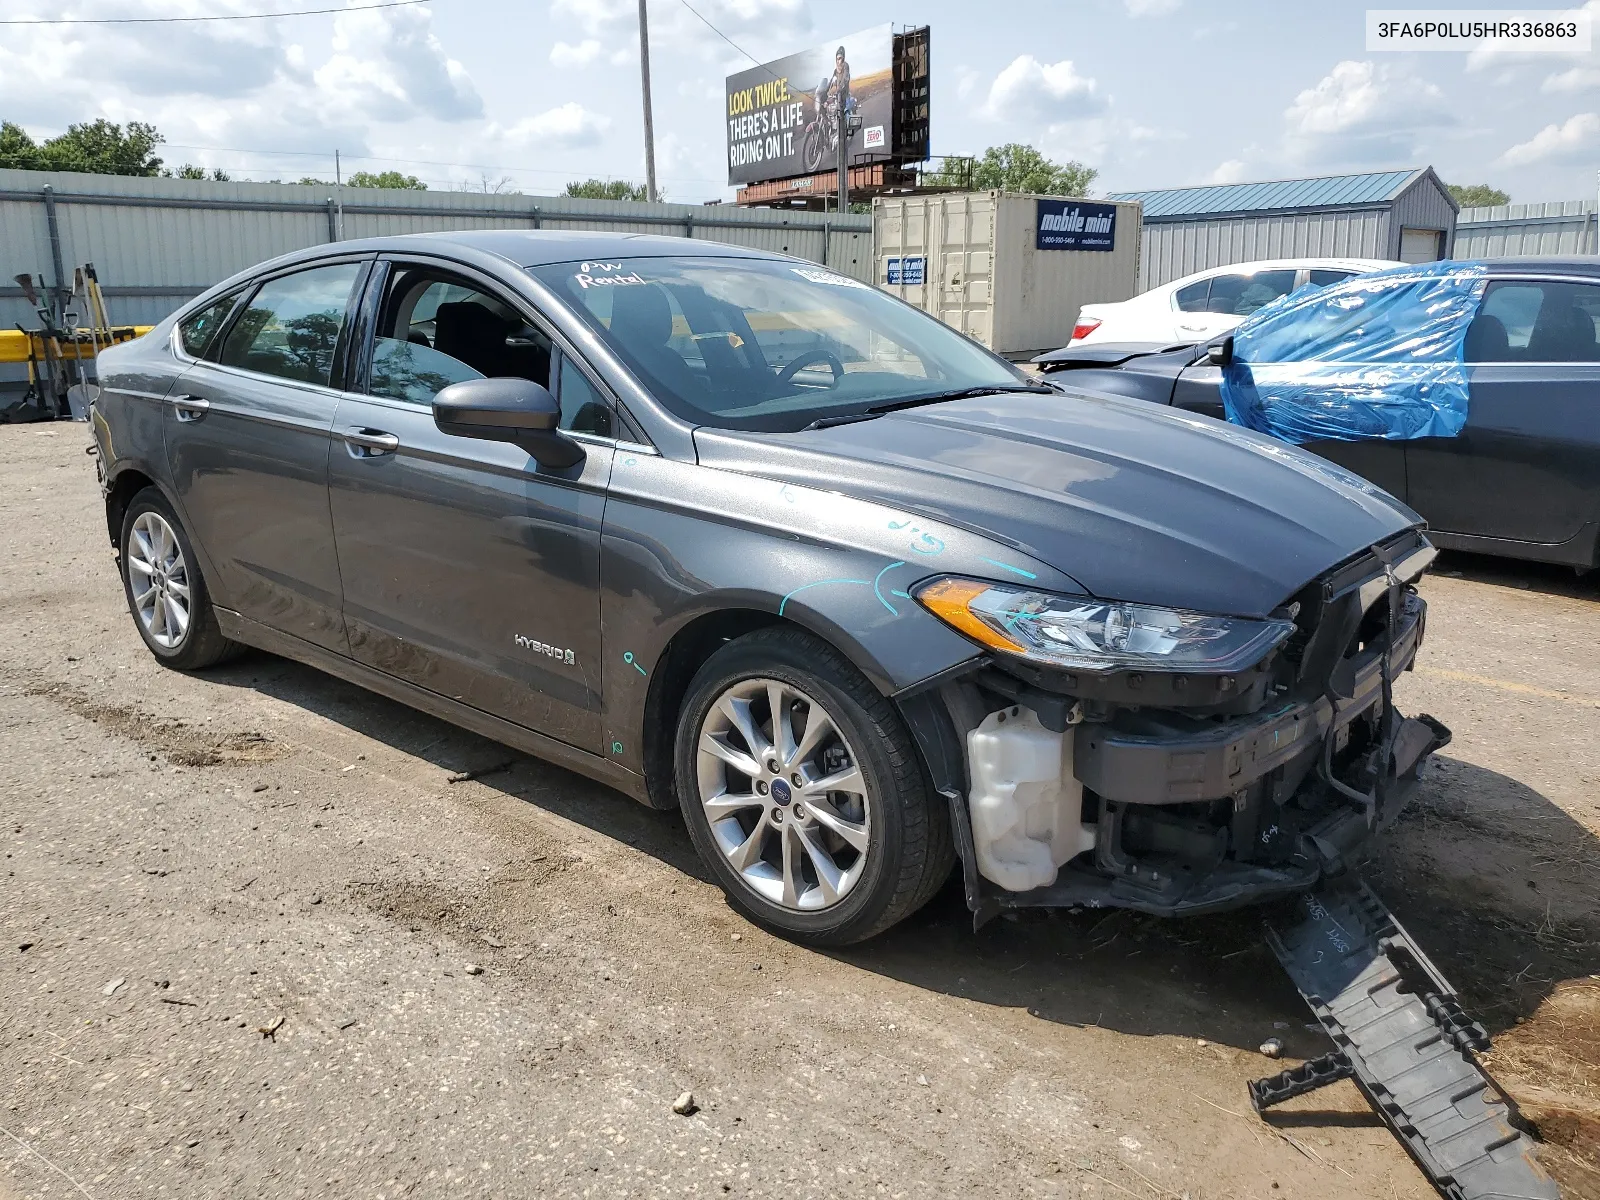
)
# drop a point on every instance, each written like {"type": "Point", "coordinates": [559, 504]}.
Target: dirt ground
{"type": "Point", "coordinates": [256, 943]}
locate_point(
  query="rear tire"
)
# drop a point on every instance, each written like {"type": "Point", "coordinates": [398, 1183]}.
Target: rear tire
{"type": "Point", "coordinates": [166, 593]}
{"type": "Point", "coordinates": [822, 865]}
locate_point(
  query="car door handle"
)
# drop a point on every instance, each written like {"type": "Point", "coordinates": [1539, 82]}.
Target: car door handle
{"type": "Point", "coordinates": [190, 408]}
{"type": "Point", "coordinates": [370, 443]}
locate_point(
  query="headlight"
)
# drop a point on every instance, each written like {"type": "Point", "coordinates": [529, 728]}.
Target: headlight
{"type": "Point", "coordinates": [1099, 635]}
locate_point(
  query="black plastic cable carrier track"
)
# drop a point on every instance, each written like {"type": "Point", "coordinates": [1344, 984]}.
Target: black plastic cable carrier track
{"type": "Point", "coordinates": [1401, 1036]}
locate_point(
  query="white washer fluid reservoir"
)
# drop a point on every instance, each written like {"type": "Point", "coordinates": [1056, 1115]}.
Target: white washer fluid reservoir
{"type": "Point", "coordinates": [1026, 804]}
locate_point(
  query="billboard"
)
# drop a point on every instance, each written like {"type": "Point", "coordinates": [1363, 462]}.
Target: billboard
{"type": "Point", "coordinates": [782, 118]}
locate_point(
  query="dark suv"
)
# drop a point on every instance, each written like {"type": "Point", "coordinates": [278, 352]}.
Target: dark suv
{"type": "Point", "coordinates": [734, 533]}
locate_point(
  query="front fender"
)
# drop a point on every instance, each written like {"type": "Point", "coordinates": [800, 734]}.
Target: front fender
{"type": "Point", "coordinates": [682, 541]}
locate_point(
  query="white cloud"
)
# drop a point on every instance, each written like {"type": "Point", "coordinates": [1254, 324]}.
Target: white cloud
{"type": "Point", "coordinates": [1361, 113]}
{"type": "Point", "coordinates": [1482, 60]}
{"type": "Point", "coordinates": [1027, 87]}
{"type": "Point", "coordinates": [1231, 171]}
{"type": "Point", "coordinates": [1151, 8]}
{"type": "Point", "coordinates": [1566, 83]}
{"type": "Point", "coordinates": [569, 125]}
{"type": "Point", "coordinates": [581, 55]}
{"type": "Point", "coordinates": [1575, 140]}
{"type": "Point", "coordinates": [597, 16]}
{"type": "Point", "coordinates": [388, 66]}
{"type": "Point", "coordinates": [767, 28]}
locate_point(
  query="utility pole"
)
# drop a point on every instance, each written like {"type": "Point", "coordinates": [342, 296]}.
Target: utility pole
{"type": "Point", "coordinates": [649, 122]}
{"type": "Point", "coordinates": [338, 195]}
{"type": "Point", "coordinates": [1597, 215]}
{"type": "Point", "coordinates": [844, 155]}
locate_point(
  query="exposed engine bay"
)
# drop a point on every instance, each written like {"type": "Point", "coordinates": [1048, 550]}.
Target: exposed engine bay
{"type": "Point", "coordinates": [1176, 793]}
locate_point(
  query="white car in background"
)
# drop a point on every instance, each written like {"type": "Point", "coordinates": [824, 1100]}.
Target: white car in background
{"type": "Point", "coordinates": [1210, 302]}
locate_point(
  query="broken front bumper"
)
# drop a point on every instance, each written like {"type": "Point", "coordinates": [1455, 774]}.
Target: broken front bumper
{"type": "Point", "coordinates": [1173, 813]}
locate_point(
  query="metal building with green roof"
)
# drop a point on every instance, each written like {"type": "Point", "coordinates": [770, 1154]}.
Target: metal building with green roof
{"type": "Point", "coordinates": [1402, 214]}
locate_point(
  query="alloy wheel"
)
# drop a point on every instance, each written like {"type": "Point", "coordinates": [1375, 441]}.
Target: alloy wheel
{"type": "Point", "coordinates": [783, 795]}
{"type": "Point", "coordinates": [158, 579]}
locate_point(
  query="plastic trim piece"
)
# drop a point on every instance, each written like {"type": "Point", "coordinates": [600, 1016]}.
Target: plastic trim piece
{"type": "Point", "coordinates": [1399, 1032]}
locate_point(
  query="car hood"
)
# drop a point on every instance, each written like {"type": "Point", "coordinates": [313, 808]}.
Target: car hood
{"type": "Point", "coordinates": [1133, 501]}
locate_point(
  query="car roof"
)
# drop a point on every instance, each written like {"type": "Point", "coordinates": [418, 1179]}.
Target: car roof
{"type": "Point", "coordinates": [1548, 264]}
{"type": "Point", "coordinates": [537, 247]}
{"type": "Point", "coordinates": [1269, 264]}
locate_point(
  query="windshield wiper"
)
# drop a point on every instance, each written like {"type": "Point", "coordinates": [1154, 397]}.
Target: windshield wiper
{"type": "Point", "coordinates": [877, 410]}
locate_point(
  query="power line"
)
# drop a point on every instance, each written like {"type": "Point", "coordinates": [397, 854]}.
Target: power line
{"type": "Point", "coordinates": [389, 159]}
{"type": "Point", "coordinates": [722, 35]}
{"type": "Point", "coordinates": [302, 12]}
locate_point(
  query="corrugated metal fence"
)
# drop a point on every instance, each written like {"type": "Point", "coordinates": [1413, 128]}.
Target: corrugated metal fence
{"type": "Point", "coordinates": [156, 242]}
{"type": "Point", "coordinates": [1557, 227]}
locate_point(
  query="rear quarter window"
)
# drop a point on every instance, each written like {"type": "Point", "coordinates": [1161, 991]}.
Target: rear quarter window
{"type": "Point", "coordinates": [197, 332]}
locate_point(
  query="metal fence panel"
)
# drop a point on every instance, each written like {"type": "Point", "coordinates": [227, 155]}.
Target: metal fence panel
{"type": "Point", "coordinates": [156, 242]}
{"type": "Point", "coordinates": [1555, 227]}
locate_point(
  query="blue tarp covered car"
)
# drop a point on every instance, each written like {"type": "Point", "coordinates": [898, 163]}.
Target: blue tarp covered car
{"type": "Point", "coordinates": [1378, 356]}
{"type": "Point", "coordinates": [1470, 390]}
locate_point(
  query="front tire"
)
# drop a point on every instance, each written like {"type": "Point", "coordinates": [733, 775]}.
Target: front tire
{"type": "Point", "coordinates": [804, 793]}
{"type": "Point", "coordinates": [166, 593]}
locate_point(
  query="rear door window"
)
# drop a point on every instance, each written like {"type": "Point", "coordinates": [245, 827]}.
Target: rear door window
{"type": "Point", "coordinates": [291, 327]}
{"type": "Point", "coordinates": [1241, 295]}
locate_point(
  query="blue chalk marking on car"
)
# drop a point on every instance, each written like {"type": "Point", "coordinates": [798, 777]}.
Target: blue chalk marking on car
{"type": "Point", "coordinates": [892, 609]}
{"type": "Point", "coordinates": [627, 657]}
{"type": "Point", "coordinates": [995, 562]}
{"type": "Point", "coordinates": [782, 604]}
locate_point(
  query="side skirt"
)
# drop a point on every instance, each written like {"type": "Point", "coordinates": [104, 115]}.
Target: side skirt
{"type": "Point", "coordinates": [253, 633]}
{"type": "Point", "coordinates": [1581, 550]}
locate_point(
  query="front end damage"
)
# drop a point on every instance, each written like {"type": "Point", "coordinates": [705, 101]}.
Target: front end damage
{"type": "Point", "coordinates": [1180, 793]}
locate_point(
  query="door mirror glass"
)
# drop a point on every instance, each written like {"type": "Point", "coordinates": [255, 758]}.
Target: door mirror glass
{"type": "Point", "coordinates": [512, 410]}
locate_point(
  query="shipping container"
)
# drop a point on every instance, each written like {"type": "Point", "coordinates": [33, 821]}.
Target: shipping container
{"type": "Point", "coordinates": [1008, 270]}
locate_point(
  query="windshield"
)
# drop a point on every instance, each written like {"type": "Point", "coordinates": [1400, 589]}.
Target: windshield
{"type": "Point", "coordinates": [768, 344]}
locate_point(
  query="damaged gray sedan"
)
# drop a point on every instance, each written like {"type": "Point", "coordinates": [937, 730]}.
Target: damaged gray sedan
{"type": "Point", "coordinates": [744, 537]}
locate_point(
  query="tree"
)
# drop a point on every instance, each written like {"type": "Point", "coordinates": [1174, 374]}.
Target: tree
{"type": "Point", "coordinates": [1018, 168]}
{"type": "Point", "coordinates": [98, 147]}
{"type": "Point", "coordinates": [386, 179]}
{"type": "Point", "coordinates": [17, 149]}
{"type": "Point", "coordinates": [1477, 195]}
{"type": "Point", "coordinates": [190, 171]}
{"type": "Point", "coordinates": [608, 189]}
{"type": "Point", "coordinates": [504, 186]}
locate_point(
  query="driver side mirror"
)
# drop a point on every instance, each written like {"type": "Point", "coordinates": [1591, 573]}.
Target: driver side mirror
{"type": "Point", "coordinates": [1220, 354]}
{"type": "Point", "coordinates": [518, 411]}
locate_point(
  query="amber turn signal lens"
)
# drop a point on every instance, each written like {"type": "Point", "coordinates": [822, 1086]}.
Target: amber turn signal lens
{"type": "Point", "coordinates": [948, 599]}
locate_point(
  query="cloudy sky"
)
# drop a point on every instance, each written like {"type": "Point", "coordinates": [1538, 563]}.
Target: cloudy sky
{"type": "Point", "coordinates": [461, 92]}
